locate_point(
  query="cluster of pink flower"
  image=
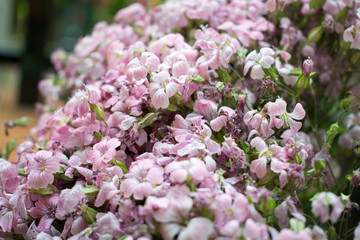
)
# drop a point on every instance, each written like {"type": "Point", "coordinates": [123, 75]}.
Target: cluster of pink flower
{"type": "Point", "coordinates": [188, 122]}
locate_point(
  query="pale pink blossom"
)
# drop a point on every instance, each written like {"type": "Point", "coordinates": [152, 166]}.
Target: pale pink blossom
{"type": "Point", "coordinates": [255, 230]}
{"type": "Point", "coordinates": [287, 234]}
{"type": "Point", "coordinates": [41, 168]}
{"type": "Point", "coordinates": [45, 210]}
{"type": "Point", "coordinates": [258, 121]}
{"type": "Point", "coordinates": [103, 152]}
{"type": "Point", "coordinates": [180, 171]}
{"type": "Point", "coordinates": [140, 179]}
{"type": "Point", "coordinates": [322, 204]}
{"type": "Point", "coordinates": [273, 153]}
{"type": "Point", "coordinates": [162, 87]}
{"type": "Point", "coordinates": [107, 226]}
{"type": "Point", "coordinates": [281, 118]}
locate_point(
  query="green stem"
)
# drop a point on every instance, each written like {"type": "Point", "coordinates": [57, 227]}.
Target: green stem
{"type": "Point", "coordinates": [332, 173]}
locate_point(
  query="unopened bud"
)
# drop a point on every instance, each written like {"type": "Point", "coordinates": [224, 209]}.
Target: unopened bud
{"type": "Point", "coordinates": [99, 112]}
{"type": "Point", "coordinates": [315, 34]}
{"type": "Point", "coordinates": [308, 67]}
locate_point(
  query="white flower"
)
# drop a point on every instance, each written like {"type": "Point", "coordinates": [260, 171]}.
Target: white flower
{"type": "Point", "coordinates": [258, 61]}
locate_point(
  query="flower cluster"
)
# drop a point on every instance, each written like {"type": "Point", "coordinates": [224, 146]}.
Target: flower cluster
{"type": "Point", "coordinates": [206, 119]}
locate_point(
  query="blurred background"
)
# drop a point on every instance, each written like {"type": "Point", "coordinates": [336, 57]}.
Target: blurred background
{"type": "Point", "coordinates": [30, 30]}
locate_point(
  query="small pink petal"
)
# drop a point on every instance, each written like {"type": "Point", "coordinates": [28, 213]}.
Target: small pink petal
{"type": "Point", "coordinates": [298, 113]}
{"type": "Point", "coordinates": [160, 99]}
{"type": "Point", "coordinates": [218, 123]}
{"type": "Point", "coordinates": [277, 108]}
{"type": "Point", "coordinates": [257, 72]}
{"type": "Point", "coordinates": [259, 167]}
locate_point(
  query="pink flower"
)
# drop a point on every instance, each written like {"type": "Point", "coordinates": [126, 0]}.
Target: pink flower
{"type": "Point", "coordinates": [140, 179]}
{"type": "Point", "coordinates": [217, 50]}
{"type": "Point", "coordinates": [281, 118]}
{"type": "Point", "coordinates": [75, 162]}
{"type": "Point", "coordinates": [45, 210]}
{"type": "Point", "coordinates": [285, 208]}
{"type": "Point", "coordinates": [206, 108]}
{"type": "Point", "coordinates": [103, 152]}
{"type": "Point", "coordinates": [180, 171]}
{"type": "Point", "coordinates": [41, 168]}
{"type": "Point", "coordinates": [255, 230]}
{"type": "Point", "coordinates": [9, 215]}
{"type": "Point", "coordinates": [8, 176]}
{"type": "Point", "coordinates": [173, 210]}
{"type": "Point", "coordinates": [69, 202]}
{"type": "Point", "coordinates": [107, 226]}
{"type": "Point", "coordinates": [227, 207]}
{"type": "Point", "coordinates": [192, 229]}
{"type": "Point", "coordinates": [258, 121]}
{"type": "Point", "coordinates": [322, 204]}
{"type": "Point", "coordinates": [258, 61]}
{"type": "Point", "coordinates": [136, 70]}
{"type": "Point", "coordinates": [233, 152]}
{"type": "Point", "coordinates": [178, 63]}
{"type": "Point", "coordinates": [162, 88]}
{"type": "Point", "coordinates": [275, 154]}
{"type": "Point", "coordinates": [287, 234]}
{"type": "Point", "coordinates": [193, 129]}
{"type": "Point", "coordinates": [352, 34]}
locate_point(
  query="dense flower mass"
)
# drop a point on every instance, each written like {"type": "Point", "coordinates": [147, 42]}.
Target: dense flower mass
{"type": "Point", "coordinates": [197, 119]}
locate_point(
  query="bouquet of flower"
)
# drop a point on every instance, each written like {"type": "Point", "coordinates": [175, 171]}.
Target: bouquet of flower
{"type": "Point", "coordinates": [197, 119]}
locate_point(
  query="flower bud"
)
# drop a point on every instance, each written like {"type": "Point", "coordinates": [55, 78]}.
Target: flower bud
{"type": "Point", "coordinates": [315, 34]}
{"type": "Point", "coordinates": [308, 67]}
{"type": "Point", "coordinates": [99, 112]}
{"type": "Point", "coordinates": [89, 214]}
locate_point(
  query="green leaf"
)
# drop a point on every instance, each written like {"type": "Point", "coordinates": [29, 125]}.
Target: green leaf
{"type": "Point", "coordinates": [21, 172]}
{"type": "Point", "coordinates": [315, 34]}
{"type": "Point", "coordinates": [331, 233]}
{"type": "Point", "coordinates": [316, 3]}
{"type": "Point", "coordinates": [220, 85]}
{"type": "Point", "coordinates": [98, 136]}
{"type": "Point", "coordinates": [148, 119]}
{"type": "Point", "coordinates": [345, 103]}
{"type": "Point", "coordinates": [319, 165]}
{"type": "Point", "coordinates": [297, 159]}
{"type": "Point", "coordinates": [10, 147]}
{"type": "Point", "coordinates": [207, 213]}
{"type": "Point", "coordinates": [220, 172]}
{"type": "Point", "coordinates": [119, 164]}
{"type": "Point", "coordinates": [349, 176]}
{"type": "Point", "coordinates": [91, 191]}
{"type": "Point", "coordinates": [45, 191]}
{"type": "Point", "coordinates": [198, 78]}
{"type": "Point", "coordinates": [172, 108]}
{"type": "Point", "coordinates": [22, 122]}
{"type": "Point", "coordinates": [241, 53]}
{"type": "Point", "coordinates": [271, 72]}
{"type": "Point", "coordinates": [296, 225]}
{"type": "Point", "coordinates": [341, 15]}
{"type": "Point", "coordinates": [224, 76]}
{"type": "Point", "coordinates": [295, 72]}
{"type": "Point", "coordinates": [123, 237]}
{"type": "Point", "coordinates": [355, 58]}
{"type": "Point", "coordinates": [190, 184]}
{"type": "Point", "coordinates": [267, 206]}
